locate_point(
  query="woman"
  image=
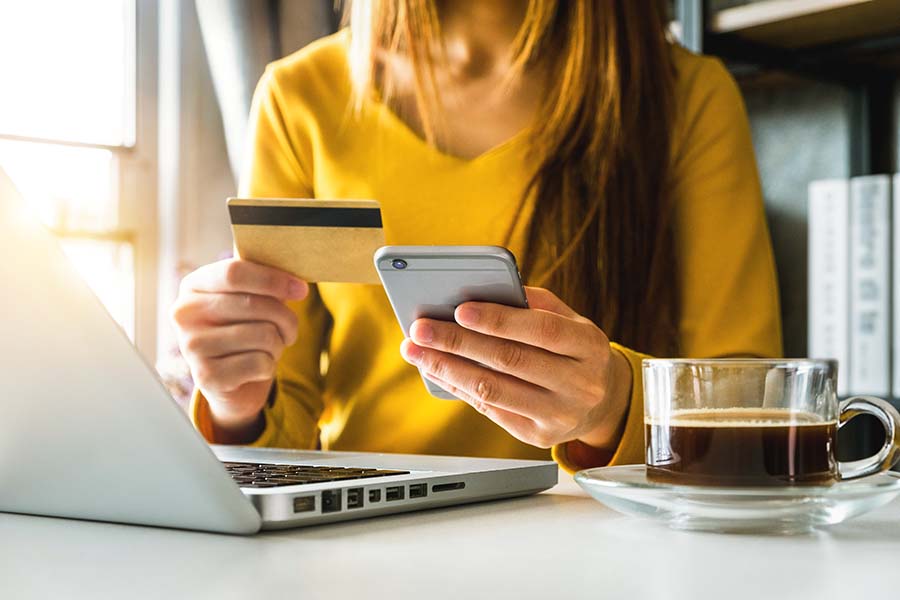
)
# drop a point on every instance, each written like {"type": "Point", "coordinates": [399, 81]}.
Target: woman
{"type": "Point", "coordinates": [618, 167]}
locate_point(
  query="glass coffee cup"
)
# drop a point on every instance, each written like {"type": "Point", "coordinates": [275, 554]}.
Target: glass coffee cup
{"type": "Point", "coordinates": [754, 422]}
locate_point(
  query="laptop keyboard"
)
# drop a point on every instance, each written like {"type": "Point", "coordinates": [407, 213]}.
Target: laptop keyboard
{"type": "Point", "coordinates": [270, 475]}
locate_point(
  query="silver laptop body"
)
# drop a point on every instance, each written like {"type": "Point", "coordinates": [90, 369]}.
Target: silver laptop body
{"type": "Point", "coordinates": [87, 430]}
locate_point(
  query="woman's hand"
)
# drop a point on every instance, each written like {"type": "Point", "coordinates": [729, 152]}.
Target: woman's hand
{"type": "Point", "coordinates": [232, 325]}
{"type": "Point", "coordinates": [552, 378]}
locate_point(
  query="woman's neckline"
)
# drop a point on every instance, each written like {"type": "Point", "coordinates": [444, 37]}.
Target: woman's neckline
{"type": "Point", "coordinates": [416, 138]}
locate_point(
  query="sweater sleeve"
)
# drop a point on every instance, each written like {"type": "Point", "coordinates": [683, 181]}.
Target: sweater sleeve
{"type": "Point", "coordinates": [727, 277]}
{"type": "Point", "coordinates": [278, 165]}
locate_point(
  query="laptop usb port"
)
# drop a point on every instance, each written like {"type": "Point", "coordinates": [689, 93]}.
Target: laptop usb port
{"type": "Point", "coordinates": [331, 501]}
{"type": "Point", "coordinates": [304, 504]}
{"type": "Point", "coordinates": [418, 490]}
{"type": "Point", "coordinates": [354, 498]}
{"type": "Point", "coordinates": [393, 493]}
{"type": "Point", "coordinates": [374, 496]}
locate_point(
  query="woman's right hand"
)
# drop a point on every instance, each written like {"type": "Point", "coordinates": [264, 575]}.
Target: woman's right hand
{"type": "Point", "coordinates": [232, 326]}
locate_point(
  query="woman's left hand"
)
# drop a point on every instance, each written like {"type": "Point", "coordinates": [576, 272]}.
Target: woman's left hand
{"type": "Point", "coordinates": [545, 374]}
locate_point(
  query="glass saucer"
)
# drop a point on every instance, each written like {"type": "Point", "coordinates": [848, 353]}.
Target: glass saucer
{"type": "Point", "coordinates": [750, 510]}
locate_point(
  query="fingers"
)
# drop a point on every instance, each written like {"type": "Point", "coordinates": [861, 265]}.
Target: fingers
{"type": "Point", "coordinates": [533, 326]}
{"type": "Point", "coordinates": [240, 276]}
{"type": "Point", "coordinates": [219, 342]}
{"type": "Point", "coordinates": [480, 384]}
{"type": "Point", "coordinates": [522, 428]}
{"type": "Point", "coordinates": [541, 373]}
{"type": "Point", "coordinates": [232, 327]}
{"type": "Point", "coordinates": [227, 374]}
{"type": "Point", "coordinates": [544, 299]}
{"type": "Point", "coordinates": [197, 312]}
{"type": "Point", "coordinates": [525, 362]}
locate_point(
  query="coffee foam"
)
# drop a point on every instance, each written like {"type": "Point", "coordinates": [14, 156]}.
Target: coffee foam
{"type": "Point", "coordinates": [739, 417]}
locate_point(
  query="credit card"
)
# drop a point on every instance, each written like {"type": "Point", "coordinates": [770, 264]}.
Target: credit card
{"type": "Point", "coordinates": [316, 240]}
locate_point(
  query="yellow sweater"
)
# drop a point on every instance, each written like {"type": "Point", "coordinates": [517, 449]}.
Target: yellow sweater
{"type": "Point", "coordinates": [306, 143]}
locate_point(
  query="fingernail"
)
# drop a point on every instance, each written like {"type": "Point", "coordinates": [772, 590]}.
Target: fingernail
{"type": "Point", "coordinates": [297, 288]}
{"type": "Point", "coordinates": [423, 333]}
{"type": "Point", "coordinates": [412, 353]}
{"type": "Point", "coordinates": [467, 314]}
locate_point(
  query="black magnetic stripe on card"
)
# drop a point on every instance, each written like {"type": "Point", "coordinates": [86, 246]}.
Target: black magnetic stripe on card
{"type": "Point", "coordinates": [305, 216]}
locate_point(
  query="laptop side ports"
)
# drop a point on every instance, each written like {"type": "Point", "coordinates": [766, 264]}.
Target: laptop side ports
{"type": "Point", "coordinates": [394, 493]}
{"type": "Point", "coordinates": [331, 501]}
{"type": "Point", "coordinates": [304, 504]}
{"type": "Point", "coordinates": [447, 487]}
{"type": "Point", "coordinates": [355, 498]}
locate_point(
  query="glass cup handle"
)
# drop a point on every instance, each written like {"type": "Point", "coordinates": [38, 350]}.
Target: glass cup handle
{"type": "Point", "coordinates": [889, 454]}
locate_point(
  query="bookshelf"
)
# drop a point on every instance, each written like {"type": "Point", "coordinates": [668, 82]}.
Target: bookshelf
{"type": "Point", "coordinates": [854, 44]}
{"type": "Point", "coordinates": [804, 23]}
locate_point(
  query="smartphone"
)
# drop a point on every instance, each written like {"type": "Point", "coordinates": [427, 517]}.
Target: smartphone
{"type": "Point", "coordinates": [431, 281]}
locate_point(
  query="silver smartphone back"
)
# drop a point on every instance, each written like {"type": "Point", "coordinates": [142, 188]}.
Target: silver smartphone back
{"type": "Point", "coordinates": [431, 281]}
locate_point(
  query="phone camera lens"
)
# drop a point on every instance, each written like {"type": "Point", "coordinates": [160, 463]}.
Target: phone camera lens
{"type": "Point", "coordinates": [398, 263]}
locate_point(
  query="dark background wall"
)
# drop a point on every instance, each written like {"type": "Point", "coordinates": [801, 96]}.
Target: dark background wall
{"type": "Point", "coordinates": [801, 132]}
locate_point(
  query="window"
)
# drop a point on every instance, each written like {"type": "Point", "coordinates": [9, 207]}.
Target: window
{"type": "Point", "coordinates": [71, 70]}
{"type": "Point", "coordinates": [79, 145]}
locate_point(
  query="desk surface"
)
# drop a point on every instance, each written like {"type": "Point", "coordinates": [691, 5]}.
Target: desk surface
{"type": "Point", "coordinates": [559, 544]}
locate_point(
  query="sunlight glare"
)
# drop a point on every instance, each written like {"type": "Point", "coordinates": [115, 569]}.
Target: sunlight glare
{"type": "Point", "coordinates": [65, 72]}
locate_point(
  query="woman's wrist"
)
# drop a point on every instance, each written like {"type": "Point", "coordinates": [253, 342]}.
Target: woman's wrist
{"type": "Point", "coordinates": [608, 432]}
{"type": "Point", "coordinates": [240, 419]}
{"type": "Point", "coordinates": [240, 432]}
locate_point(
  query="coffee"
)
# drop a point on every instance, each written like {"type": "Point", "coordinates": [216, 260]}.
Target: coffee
{"type": "Point", "coordinates": [741, 447]}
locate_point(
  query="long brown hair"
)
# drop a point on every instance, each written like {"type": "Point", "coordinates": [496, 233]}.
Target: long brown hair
{"type": "Point", "coordinates": [602, 143]}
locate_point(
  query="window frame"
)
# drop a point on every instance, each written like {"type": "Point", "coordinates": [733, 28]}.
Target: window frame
{"type": "Point", "coordinates": [135, 173]}
{"type": "Point", "coordinates": [138, 174]}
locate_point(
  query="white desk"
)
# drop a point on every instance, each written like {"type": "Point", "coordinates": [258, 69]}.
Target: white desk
{"type": "Point", "coordinates": [560, 544]}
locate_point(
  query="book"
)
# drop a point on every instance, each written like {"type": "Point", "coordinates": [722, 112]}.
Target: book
{"type": "Point", "coordinates": [895, 320]}
{"type": "Point", "coordinates": [870, 339]}
{"type": "Point", "coordinates": [829, 270]}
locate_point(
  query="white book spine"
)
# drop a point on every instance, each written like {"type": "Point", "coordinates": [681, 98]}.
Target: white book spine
{"type": "Point", "coordinates": [829, 270]}
{"type": "Point", "coordinates": [870, 285]}
{"type": "Point", "coordinates": [895, 321]}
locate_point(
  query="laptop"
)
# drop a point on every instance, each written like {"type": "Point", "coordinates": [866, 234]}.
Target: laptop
{"type": "Point", "coordinates": [87, 431]}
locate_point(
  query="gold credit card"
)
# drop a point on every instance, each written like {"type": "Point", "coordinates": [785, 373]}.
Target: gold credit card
{"type": "Point", "coordinates": [316, 240]}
